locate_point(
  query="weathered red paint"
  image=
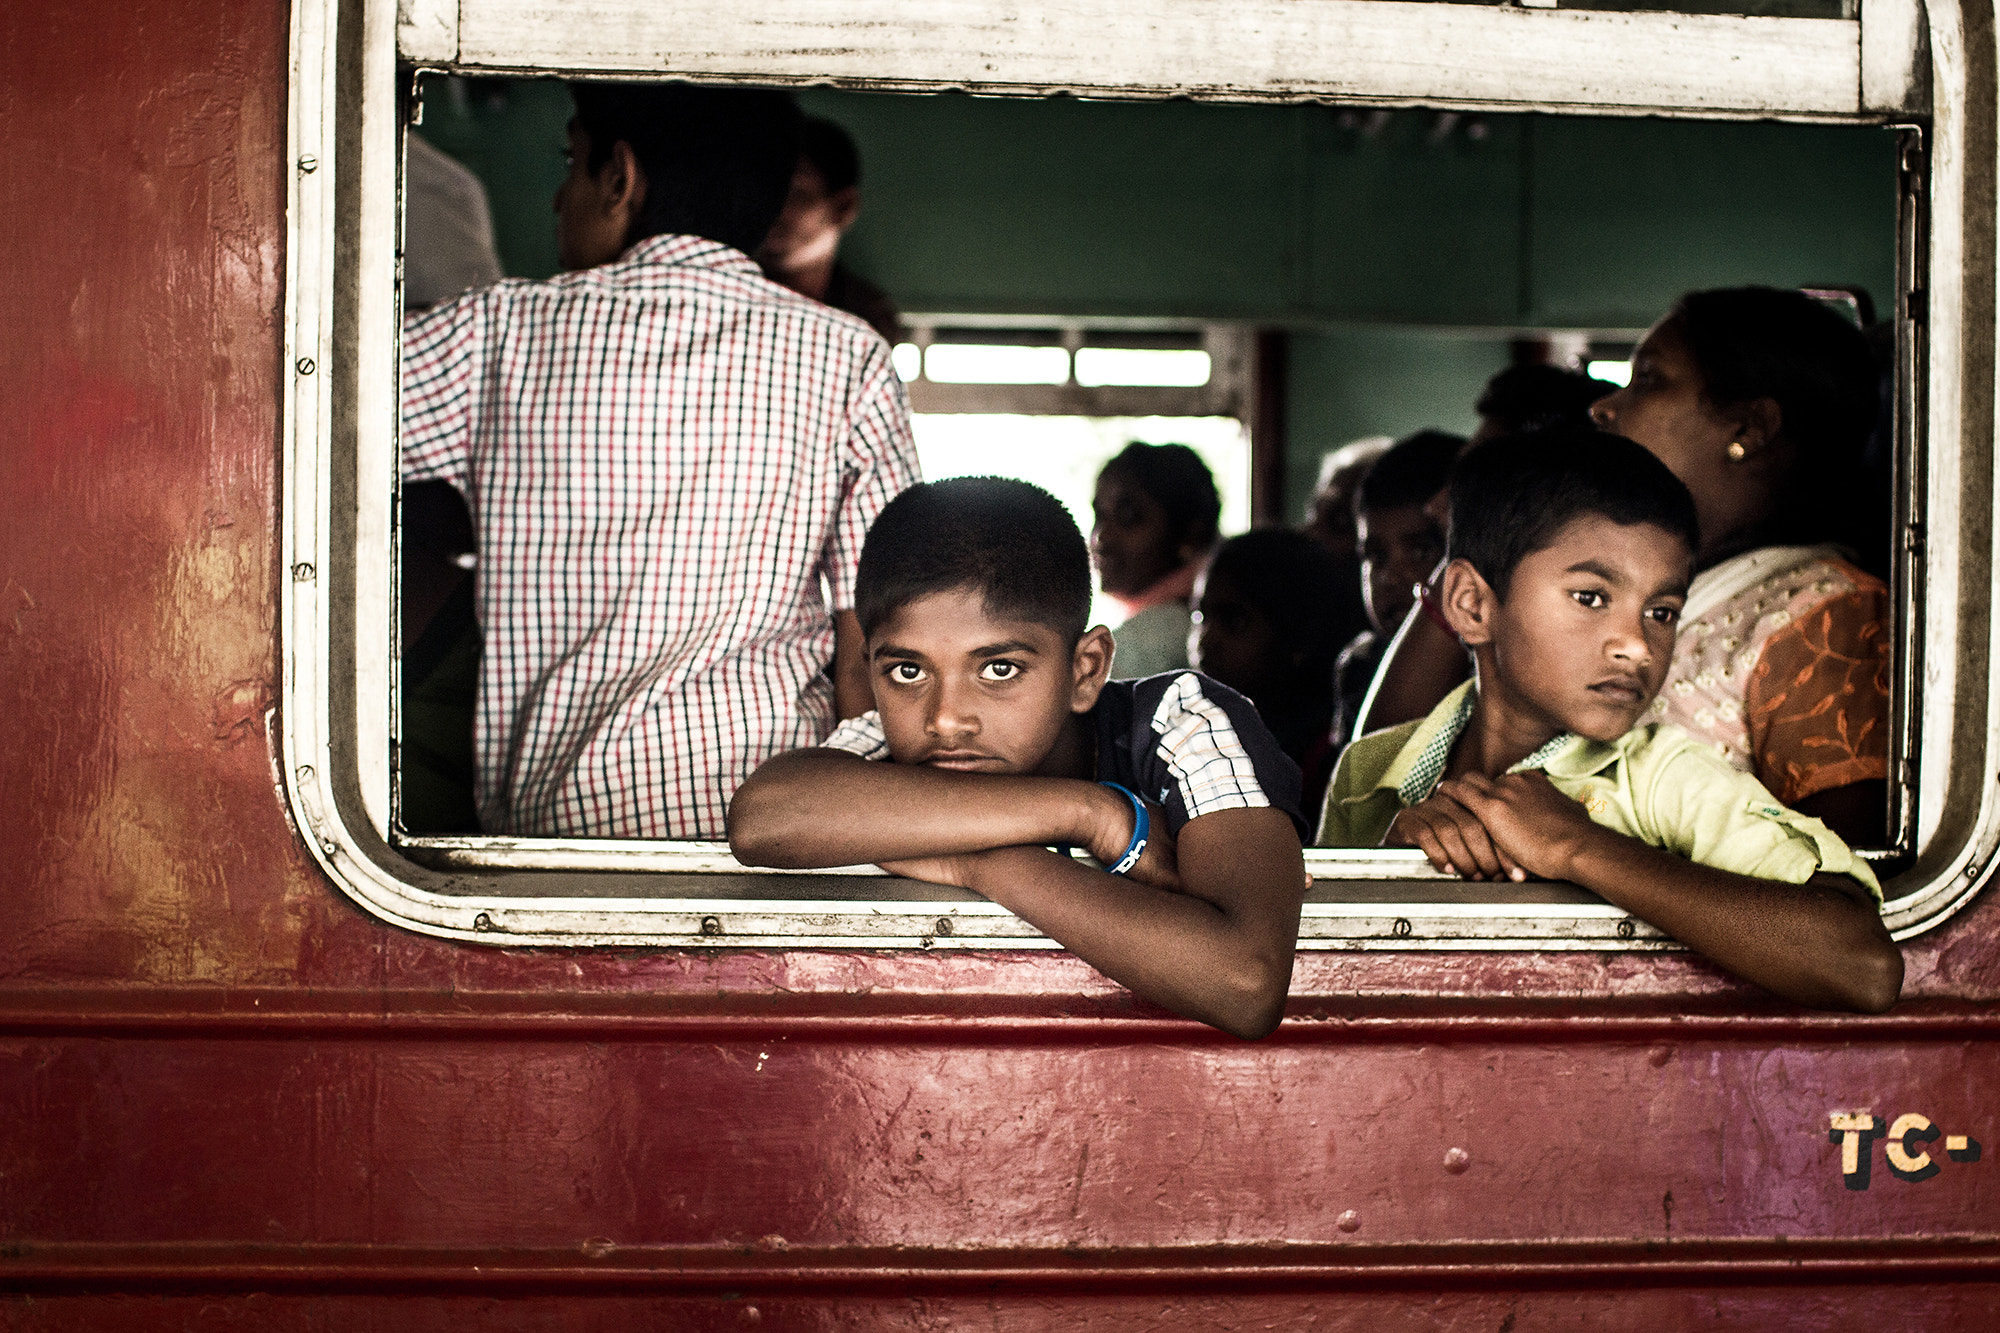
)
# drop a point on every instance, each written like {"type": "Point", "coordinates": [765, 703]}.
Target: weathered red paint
{"type": "Point", "coordinates": [228, 1099]}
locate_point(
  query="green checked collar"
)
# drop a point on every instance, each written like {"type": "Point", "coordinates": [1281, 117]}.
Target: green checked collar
{"type": "Point", "coordinates": [1427, 767]}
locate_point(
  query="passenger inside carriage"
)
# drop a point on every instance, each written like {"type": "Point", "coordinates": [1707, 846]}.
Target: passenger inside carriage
{"type": "Point", "coordinates": [1401, 539]}
{"type": "Point", "coordinates": [671, 463]}
{"type": "Point", "coordinates": [1157, 515]}
{"type": "Point", "coordinates": [1571, 554]}
{"type": "Point", "coordinates": [1761, 401]}
{"type": "Point", "coordinates": [997, 732]}
{"type": "Point", "coordinates": [1529, 397]}
{"type": "Point", "coordinates": [802, 250]}
{"type": "Point", "coordinates": [1266, 613]}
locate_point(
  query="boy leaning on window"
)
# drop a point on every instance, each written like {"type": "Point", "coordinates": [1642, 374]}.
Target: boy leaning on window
{"type": "Point", "coordinates": [1570, 555]}
{"type": "Point", "coordinates": [997, 732]}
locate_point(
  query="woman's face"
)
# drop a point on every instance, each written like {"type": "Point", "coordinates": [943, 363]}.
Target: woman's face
{"type": "Point", "coordinates": [1132, 539]}
{"type": "Point", "coordinates": [1666, 409]}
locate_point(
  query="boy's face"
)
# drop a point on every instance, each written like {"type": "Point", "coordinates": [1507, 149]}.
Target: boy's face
{"type": "Point", "coordinates": [1585, 636]}
{"type": "Point", "coordinates": [961, 689]}
{"type": "Point", "coordinates": [1400, 546]}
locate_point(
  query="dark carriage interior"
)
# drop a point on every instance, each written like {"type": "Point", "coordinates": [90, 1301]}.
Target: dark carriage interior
{"type": "Point", "coordinates": [1370, 268]}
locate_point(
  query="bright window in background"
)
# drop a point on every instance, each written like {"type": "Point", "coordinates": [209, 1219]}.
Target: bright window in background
{"type": "Point", "coordinates": [989, 363]}
{"type": "Point", "coordinates": [1611, 372]}
{"type": "Point", "coordinates": [1063, 454]}
{"type": "Point", "coordinates": [1163, 367]}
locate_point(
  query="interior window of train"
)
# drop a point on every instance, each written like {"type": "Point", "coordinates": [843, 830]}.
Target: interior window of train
{"type": "Point", "coordinates": [1264, 283]}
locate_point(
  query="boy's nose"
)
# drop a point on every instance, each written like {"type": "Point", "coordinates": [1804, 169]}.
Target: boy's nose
{"type": "Point", "coordinates": [1628, 644]}
{"type": "Point", "coordinates": [953, 714]}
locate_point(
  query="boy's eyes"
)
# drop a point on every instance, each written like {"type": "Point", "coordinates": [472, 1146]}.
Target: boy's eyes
{"type": "Point", "coordinates": [1596, 600]}
{"type": "Point", "coordinates": [911, 673]}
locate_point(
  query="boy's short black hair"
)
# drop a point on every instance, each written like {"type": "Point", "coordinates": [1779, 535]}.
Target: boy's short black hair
{"type": "Point", "coordinates": [1011, 540]}
{"type": "Point", "coordinates": [1510, 498]}
{"type": "Point", "coordinates": [718, 161]}
{"type": "Point", "coordinates": [1179, 482]}
{"type": "Point", "coordinates": [1409, 472]}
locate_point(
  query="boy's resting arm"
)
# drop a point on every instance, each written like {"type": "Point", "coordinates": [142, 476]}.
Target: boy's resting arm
{"type": "Point", "coordinates": [1821, 943]}
{"type": "Point", "coordinates": [1220, 951]}
{"type": "Point", "coordinates": [822, 807]}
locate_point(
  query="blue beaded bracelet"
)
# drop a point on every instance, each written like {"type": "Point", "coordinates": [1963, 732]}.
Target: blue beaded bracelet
{"type": "Point", "coordinates": [1142, 825]}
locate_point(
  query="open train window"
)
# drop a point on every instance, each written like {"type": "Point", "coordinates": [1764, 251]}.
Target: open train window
{"type": "Point", "coordinates": [1392, 193]}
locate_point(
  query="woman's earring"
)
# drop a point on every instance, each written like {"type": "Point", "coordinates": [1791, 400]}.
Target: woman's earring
{"type": "Point", "coordinates": [1736, 451]}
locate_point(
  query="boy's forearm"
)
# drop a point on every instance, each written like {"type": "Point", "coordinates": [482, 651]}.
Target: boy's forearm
{"type": "Point", "coordinates": [815, 808]}
{"type": "Point", "coordinates": [1221, 952]}
{"type": "Point", "coordinates": [1814, 943]}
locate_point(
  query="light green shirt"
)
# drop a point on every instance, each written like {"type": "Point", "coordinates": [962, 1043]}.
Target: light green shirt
{"type": "Point", "coordinates": [1655, 783]}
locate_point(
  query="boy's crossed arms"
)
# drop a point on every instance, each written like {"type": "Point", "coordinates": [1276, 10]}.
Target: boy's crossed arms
{"type": "Point", "coordinates": [1820, 941]}
{"type": "Point", "coordinates": [994, 710]}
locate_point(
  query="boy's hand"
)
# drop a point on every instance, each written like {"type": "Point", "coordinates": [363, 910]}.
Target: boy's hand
{"type": "Point", "coordinates": [1529, 822]}
{"type": "Point", "coordinates": [1109, 832]}
{"type": "Point", "coordinates": [1446, 830]}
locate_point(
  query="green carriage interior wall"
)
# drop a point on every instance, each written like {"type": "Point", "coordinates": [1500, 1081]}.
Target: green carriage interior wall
{"type": "Point", "coordinates": [1400, 251]}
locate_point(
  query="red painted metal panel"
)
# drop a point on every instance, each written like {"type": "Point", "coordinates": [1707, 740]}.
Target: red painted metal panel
{"type": "Point", "coordinates": [218, 1078]}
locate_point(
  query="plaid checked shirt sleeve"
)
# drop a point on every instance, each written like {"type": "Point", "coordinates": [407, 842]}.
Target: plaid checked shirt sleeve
{"type": "Point", "coordinates": [442, 363]}
{"type": "Point", "coordinates": [880, 457]}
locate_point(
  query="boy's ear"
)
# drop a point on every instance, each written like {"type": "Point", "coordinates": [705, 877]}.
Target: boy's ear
{"type": "Point", "coordinates": [1090, 667]}
{"type": "Point", "coordinates": [1470, 603]}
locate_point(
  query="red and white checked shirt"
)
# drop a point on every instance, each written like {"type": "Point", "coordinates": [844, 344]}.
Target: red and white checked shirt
{"type": "Point", "coordinates": [671, 463]}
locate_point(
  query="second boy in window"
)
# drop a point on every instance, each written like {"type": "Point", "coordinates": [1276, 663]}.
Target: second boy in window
{"type": "Point", "coordinates": [1571, 553]}
{"type": "Point", "coordinates": [1005, 735]}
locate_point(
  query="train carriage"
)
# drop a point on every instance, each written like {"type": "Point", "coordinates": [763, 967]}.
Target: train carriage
{"type": "Point", "coordinates": [275, 1057]}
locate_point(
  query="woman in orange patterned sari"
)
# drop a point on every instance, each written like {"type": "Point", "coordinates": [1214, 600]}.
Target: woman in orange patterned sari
{"type": "Point", "coordinates": [1761, 401]}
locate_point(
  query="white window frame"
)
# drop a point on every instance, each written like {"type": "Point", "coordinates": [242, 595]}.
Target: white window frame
{"type": "Point", "coordinates": [1899, 62]}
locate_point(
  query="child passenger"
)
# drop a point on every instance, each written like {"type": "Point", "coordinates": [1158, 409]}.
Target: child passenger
{"type": "Point", "coordinates": [1570, 556]}
{"type": "Point", "coordinates": [1401, 539]}
{"type": "Point", "coordinates": [1003, 735]}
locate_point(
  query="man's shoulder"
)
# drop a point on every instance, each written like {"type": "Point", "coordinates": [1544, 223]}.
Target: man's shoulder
{"type": "Point", "coordinates": [1154, 705]}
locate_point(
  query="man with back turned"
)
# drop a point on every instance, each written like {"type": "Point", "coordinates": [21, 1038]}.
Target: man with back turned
{"type": "Point", "coordinates": [671, 463]}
